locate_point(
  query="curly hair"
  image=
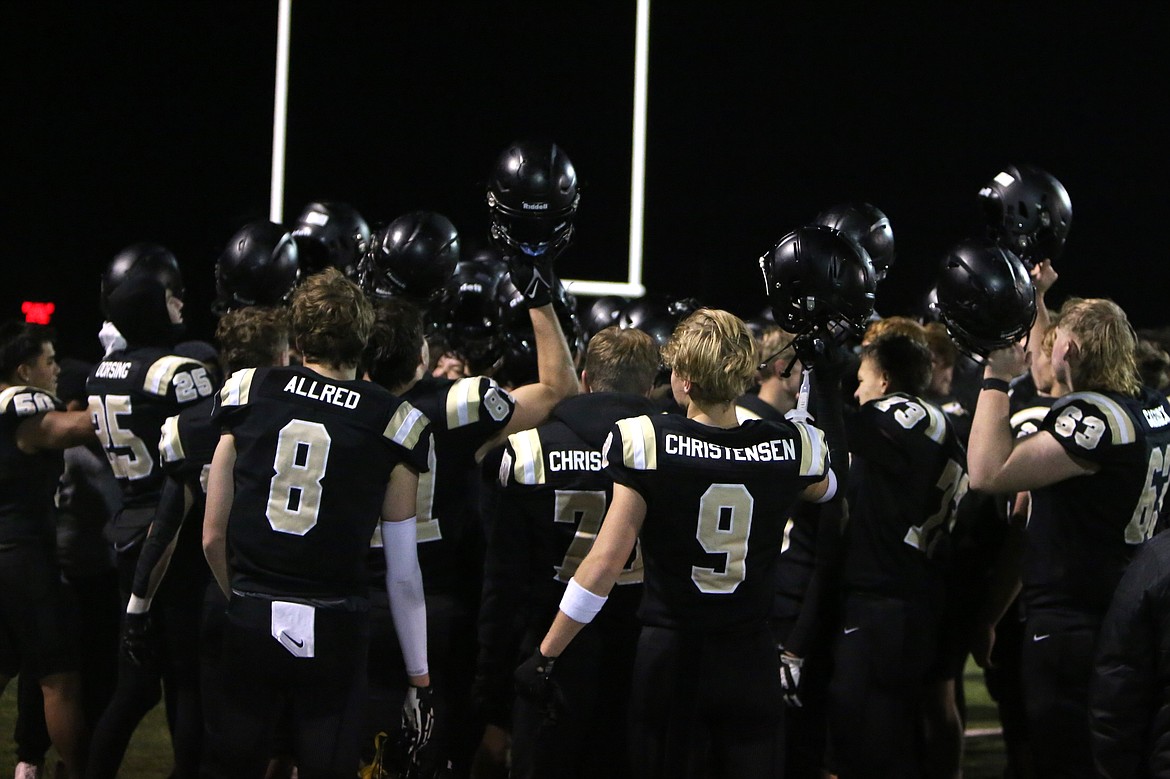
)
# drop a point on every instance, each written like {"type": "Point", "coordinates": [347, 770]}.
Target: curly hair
{"type": "Point", "coordinates": [715, 351]}
{"type": "Point", "coordinates": [251, 337]}
{"type": "Point", "coordinates": [1107, 346]}
{"type": "Point", "coordinates": [331, 319]}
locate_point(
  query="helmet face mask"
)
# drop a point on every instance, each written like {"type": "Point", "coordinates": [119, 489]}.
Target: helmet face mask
{"type": "Point", "coordinates": [985, 297]}
{"type": "Point", "coordinates": [532, 197]}
{"type": "Point", "coordinates": [1028, 212]}
{"type": "Point", "coordinates": [818, 280]}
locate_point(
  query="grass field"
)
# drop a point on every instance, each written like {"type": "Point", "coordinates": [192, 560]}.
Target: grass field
{"type": "Point", "coordinates": [149, 754]}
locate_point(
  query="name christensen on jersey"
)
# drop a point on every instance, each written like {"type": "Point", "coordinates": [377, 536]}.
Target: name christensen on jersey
{"type": "Point", "coordinates": [763, 452]}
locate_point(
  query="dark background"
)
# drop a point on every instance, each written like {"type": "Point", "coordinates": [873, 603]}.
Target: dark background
{"type": "Point", "coordinates": [153, 121]}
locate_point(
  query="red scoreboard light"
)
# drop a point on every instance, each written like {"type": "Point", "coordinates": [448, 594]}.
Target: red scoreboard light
{"type": "Point", "coordinates": [37, 313]}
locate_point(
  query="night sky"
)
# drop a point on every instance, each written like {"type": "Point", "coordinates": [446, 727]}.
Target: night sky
{"type": "Point", "coordinates": [153, 121]}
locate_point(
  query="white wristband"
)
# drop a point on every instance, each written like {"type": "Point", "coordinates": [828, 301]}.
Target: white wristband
{"type": "Point", "coordinates": [581, 605]}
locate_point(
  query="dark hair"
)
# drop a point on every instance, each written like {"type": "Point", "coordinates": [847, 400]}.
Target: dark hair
{"type": "Point", "coordinates": [251, 337]}
{"type": "Point", "coordinates": [21, 342]}
{"type": "Point", "coordinates": [906, 362]}
{"type": "Point", "coordinates": [331, 319]}
{"type": "Point", "coordinates": [392, 354]}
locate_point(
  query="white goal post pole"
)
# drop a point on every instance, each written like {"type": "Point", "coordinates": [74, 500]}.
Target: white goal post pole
{"type": "Point", "coordinates": [280, 112]}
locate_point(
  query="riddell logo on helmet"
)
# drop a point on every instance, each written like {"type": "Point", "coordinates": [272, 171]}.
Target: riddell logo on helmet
{"type": "Point", "coordinates": [533, 206]}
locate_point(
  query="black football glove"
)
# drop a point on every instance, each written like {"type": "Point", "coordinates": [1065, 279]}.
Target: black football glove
{"type": "Point", "coordinates": [534, 681]}
{"type": "Point", "coordinates": [790, 677]}
{"type": "Point", "coordinates": [136, 638]}
{"type": "Point", "coordinates": [533, 276]}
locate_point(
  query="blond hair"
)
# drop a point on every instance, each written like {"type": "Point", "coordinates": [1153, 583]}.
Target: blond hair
{"type": "Point", "coordinates": [895, 325]}
{"type": "Point", "coordinates": [1106, 346]}
{"type": "Point", "coordinates": [620, 360]}
{"type": "Point", "coordinates": [331, 319]}
{"type": "Point", "coordinates": [715, 351]}
{"type": "Point", "coordinates": [772, 342]}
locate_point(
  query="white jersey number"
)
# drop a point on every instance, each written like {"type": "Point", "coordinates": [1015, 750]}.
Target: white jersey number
{"type": "Point", "coordinates": [725, 522]}
{"type": "Point", "coordinates": [294, 495]}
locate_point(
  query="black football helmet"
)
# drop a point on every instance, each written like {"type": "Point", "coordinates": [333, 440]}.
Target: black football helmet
{"type": "Point", "coordinates": [867, 226]}
{"type": "Point", "coordinates": [605, 312]}
{"type": "Point", "coordinates": [412, 257]}
{"type": "Point", "coordinates": [532, 197]}
{"type": "Point", "coordinates": [817, 278]}
{"type": "Point", "coordinates": [985, 297]}
{"type": "Point", "coordinates": [330, 234]}
{"type": "Point", "coordinates": [1028, 212]}
{"type": "Point", "coordinates": [657, 315]}
{"type": "Point", "coordinates": [467, 315]}
{"type": "Point", "coordinates": [258, 267]}
{"type": "Point", "coordinates": [141, 258]}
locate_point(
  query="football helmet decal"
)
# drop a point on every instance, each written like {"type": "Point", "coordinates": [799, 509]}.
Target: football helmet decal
{"type": "Point", "coordinates": [1028, 212]}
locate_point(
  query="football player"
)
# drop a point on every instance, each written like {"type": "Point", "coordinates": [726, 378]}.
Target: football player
{"type": "Point", "coordinates": [249, 337]}
{"type": "Point", "coordinates": [131, 393]}
{"type": "Point", "coordinates": [309, 458]}
{"type": "Point", "coordinates": [906, 478]}
{"type": "Point", "coordinates": [36, 630]}
{"type": "Point", "coordinates": [707, 498]}
{"type": "Point", "coordinates": [1097, 470]}
{"type": "Point", "coordinates": [554, 496]}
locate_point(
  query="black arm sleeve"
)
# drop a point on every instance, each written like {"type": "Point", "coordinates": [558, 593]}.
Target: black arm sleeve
{"type": "Point", "coordinates": [168, 519]}
{"type": "Point", "coordinates": [822, 586]}
{"type": "Point", "coordinates": [828, 413]}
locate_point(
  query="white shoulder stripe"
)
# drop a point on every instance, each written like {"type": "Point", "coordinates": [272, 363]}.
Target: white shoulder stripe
{"type": "Point", "coordinates": [529, 465]}
{"type": "Point", "coordinates": [937, 429]}
{"type": "Point", "coordinates": [159, 375]}
{"type": "Point", "coordinates": [170, 446]}
{"type": "Point", "coordinates": [1120, 425]}
{"type": "Point", "coordinates": [237, 388]}
{"type": "Point", "coordinates": [407, 424]}
{"type": "Point", "coordinates": [813, 450]}
{"type": "Point", "coordinates": [463, 403]}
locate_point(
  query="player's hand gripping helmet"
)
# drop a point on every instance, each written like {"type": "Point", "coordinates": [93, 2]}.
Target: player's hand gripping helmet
{"type": "Point", "coordinates": [1028, 212]}
{"type": "Point", "coordinates": [866, 225]}
{"type": "Point", "coordinates": [532, 197]}
{"type": "Point", "coordinates": [330, 234]}
{"type": "Point", "coordinates": [141, 259]}
{"type": "Point", "coordinates": [985, 297]}
{"type": "Point", "coordinates": [817, 278]}
{"type": "Point", "coordinates": [518, 340]}
{"type": "Point", "coordinates": [411, 257]}
{"type": "Point", "coordinates": [258, 267]}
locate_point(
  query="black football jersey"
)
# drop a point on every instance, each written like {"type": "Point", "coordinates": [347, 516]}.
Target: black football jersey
{"type": "Point", "coordinates": [750, 406]}
{"type": "Point", "coordinates": [463, 415]}
{"type": "Point", "coordinates": [554, 495]}
{"type": "Point", "coordinates": [717, 502]}
{"type": "Point", "coordinates": [131, 394]}
{"type": "Point", "coordinates": [1083, 531]}
{"type": "Point", "coordinates": [27, 481]}
{"type": "Point", "coordinates": [907, 477]}
{"type": "Point", "coordinates": [1027, 415]}
{"type": "Point", "coordinates": [313, 458]}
